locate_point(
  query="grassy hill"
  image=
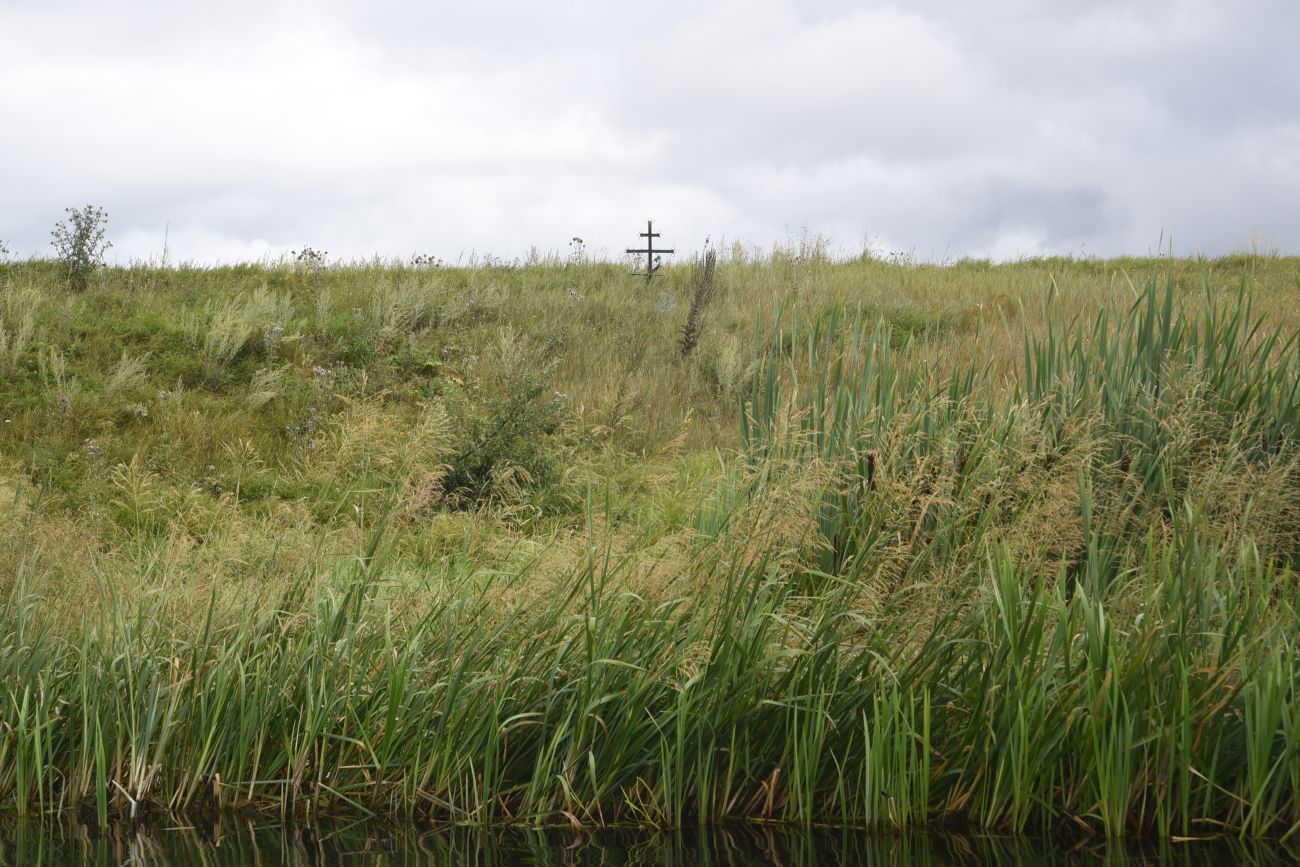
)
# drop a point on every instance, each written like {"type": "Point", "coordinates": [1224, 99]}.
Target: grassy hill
{"type": "Point", "coordinates": [892, 543]}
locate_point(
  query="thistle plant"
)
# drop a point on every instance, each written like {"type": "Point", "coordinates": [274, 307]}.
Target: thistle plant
{"type": "Point", "coordinates": [577, 251]}
{"type": "Point", "coordinates": [309, 259]}
{"type": "Point", "coordinates": [80, 244]}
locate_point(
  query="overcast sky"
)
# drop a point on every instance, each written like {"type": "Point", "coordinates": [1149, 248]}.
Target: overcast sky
{"type": "Point", "coordinates": [941, 127]}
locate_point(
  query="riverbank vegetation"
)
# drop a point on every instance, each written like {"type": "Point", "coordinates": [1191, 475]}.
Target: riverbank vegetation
{"type": "Point", "coordinates": [891, 545]}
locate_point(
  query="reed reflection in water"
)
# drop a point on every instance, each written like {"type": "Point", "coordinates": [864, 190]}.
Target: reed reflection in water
{"type": "Point", "coordinates": [250, 844]}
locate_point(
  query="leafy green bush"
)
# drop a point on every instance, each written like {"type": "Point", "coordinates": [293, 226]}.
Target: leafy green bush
{"type": "Point", "coordinates": [509, 427]}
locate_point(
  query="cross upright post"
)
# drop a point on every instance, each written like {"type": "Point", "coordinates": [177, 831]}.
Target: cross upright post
{"type": "Point", "coordinates": [652, 255]}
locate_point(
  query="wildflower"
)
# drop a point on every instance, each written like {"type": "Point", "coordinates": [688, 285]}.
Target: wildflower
{"type": "Point", "coordinates": [272, 333]}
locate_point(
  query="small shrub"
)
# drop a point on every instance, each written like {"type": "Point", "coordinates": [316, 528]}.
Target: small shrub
{"type": "Point", "coordinates": [507, 438]}
{"type": "Point", "coordinates": [80, 244]}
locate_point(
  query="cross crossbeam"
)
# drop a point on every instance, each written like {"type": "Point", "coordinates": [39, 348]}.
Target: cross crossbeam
{"type": "Point", "coordinates": [652, 255]}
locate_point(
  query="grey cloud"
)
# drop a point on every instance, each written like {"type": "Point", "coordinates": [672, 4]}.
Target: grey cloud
{"type": "Point", "coordinates": [390, 127]}
{"type": "Point", "coordinates": [1068, 215]}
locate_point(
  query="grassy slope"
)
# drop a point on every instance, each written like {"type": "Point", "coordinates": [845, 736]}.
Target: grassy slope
{"type": "Point", "coordinates": [190, 449]}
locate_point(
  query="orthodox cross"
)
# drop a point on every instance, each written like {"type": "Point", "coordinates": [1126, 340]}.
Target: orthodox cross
{"type": "Point", "coordinates": [652, 255]}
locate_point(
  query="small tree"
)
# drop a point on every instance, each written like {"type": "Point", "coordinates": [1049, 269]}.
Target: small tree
{"type": "Point", "coordinates": [80, 244]}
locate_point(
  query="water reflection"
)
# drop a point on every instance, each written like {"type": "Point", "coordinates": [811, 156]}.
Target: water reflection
{"type": "Point", "coordinates": [368, 844]}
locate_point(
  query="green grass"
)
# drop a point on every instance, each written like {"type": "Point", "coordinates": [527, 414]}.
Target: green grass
{"type": "Point", "coordinates": [1004, 547]}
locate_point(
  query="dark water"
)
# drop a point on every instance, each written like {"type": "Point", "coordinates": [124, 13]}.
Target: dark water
{"type": "Point", "coordinates": [363, 844]}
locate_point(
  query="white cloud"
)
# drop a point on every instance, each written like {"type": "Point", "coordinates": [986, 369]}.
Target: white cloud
{"type": "Point", "coordinates": [948, 128]}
